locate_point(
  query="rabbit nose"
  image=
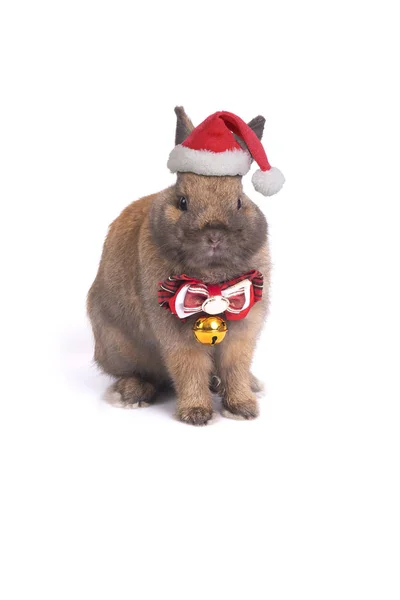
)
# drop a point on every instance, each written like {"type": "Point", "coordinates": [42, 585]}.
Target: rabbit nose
{"type": "Point", "coordinates": [214, 239]}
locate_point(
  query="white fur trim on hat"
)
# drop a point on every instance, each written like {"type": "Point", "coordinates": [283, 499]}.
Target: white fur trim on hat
{"type": "Point", "coordinates": [204, 162]}
{"type": "Point", "coordinates": [268, 182]}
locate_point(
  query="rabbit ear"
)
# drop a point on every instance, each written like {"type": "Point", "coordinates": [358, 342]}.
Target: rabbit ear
{"type": "Point", "coordinates": [257, 125]}
{"type": "Point", "coordinates": [184, 125]}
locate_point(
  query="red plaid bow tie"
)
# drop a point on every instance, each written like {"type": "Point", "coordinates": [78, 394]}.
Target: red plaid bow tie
{"type": "Point", "coordinates": [185, 296]}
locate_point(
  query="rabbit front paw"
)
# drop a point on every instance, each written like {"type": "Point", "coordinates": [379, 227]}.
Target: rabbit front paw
{"type": "Point", "coordinates": [240, 408]}
{"type": "Point", "coordinates": [195, 415]}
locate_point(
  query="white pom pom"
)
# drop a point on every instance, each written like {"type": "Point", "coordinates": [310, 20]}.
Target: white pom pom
{"type": "Point", "coordinates": [269, 182]}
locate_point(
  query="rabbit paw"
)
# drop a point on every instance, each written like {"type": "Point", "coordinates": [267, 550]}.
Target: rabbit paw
{"type": "Point", "coordinates": [240, 409]}
{"type": "Point", "coordinates": [130, 392]}
{"type": "Point", "coordinates": [195, 415]}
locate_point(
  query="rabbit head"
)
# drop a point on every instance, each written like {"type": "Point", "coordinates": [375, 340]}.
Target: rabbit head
{"type": "Point", "coordinates": [207, 222]}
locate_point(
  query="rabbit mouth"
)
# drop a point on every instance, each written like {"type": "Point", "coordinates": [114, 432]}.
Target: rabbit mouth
{"type": "Point", "coordinates": [214, 251]}
{"type": "Point", "coordinates": [216, 256]}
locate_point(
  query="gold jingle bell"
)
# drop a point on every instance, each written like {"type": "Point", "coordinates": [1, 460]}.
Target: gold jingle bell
{"type": "Point", "coordinates": [210, 330]}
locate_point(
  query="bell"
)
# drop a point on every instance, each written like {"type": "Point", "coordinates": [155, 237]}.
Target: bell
{"type": "Point", "coordinates": [210, 330]}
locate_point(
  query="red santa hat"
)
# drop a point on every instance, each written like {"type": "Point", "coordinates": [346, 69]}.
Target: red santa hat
{"type": "Point", "coordinates": [211, 149]}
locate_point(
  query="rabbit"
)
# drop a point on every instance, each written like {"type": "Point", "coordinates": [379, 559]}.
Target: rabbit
{"type": "Point", "coordinates": [208, 228]}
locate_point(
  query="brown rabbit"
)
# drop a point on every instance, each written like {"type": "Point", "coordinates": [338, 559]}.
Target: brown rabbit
{"type": "Point", "coordinates": [203, 226]}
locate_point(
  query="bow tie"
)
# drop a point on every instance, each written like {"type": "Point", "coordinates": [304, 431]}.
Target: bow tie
{"type": "Point", "coordinates": [185, 296]}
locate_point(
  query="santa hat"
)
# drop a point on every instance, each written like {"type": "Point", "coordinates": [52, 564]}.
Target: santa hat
{"type": "Point", "coordinates": [211, 149]}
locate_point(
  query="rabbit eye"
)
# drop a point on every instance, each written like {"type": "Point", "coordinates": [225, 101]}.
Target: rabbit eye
{"type": "Point", "coordinates": [182, 203]}
{"type": "Point", "coordinates": [239, 203]}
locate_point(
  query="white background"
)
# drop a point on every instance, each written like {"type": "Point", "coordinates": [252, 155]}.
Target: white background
{"type": "Point", "coordinates": [103, 503]}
